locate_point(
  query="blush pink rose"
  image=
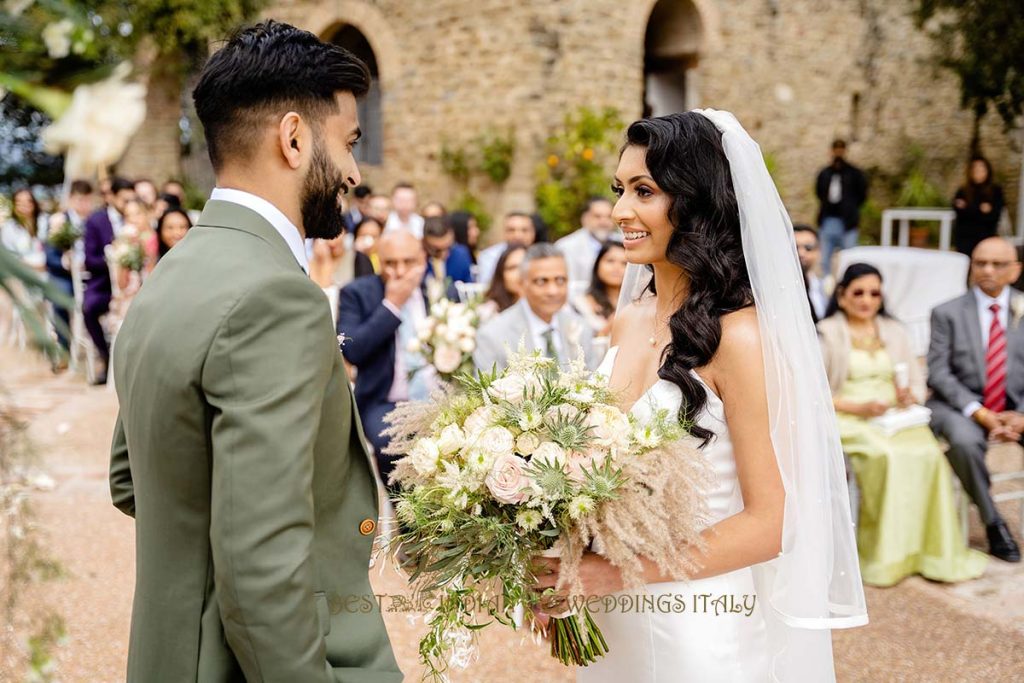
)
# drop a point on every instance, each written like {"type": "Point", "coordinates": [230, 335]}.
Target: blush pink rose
{"type": "Point", "coordinates": [507, 479]}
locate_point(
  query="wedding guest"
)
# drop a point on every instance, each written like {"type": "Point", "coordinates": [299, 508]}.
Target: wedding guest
{"type": "Point", "coordinates": [171, 229]}
{"type": "Point", "coordinates": [467, 231]}
{"type": "Point", "coordinates": [506, 286]}
{"type": "Point", "coordinates": [79, 206]}
{"type": "Point", "coordinates": [176, 189]}
{"type": "Point", "coordinates": [100, 229]}
{"type": "Point", "coordinates": [808, 249]}
{"type": "Point", "coordinates": [334, 264]}
{"type": "Point", "coordinates": [976, 373]}
{"type": "Point", "coordinates": [378, 207]}
{"type": "Point", "coordinates": [356, 210]}
{"type": "Point", "coordinates": [446, 260]}
{"type": "Point", "coordinates": [137, 218]}
{"type": "Point", "coordinates": [842, 189]}
{"type": "Point", "coordinates": [403, 211]}
{"type": "Point", "coordinates": [365, 237]}
{"type": "Point", "coordinates": [597, 305]}
{"type": "Point", "coordinates": [978, 205]}
{"type": "Point", "coordinates": [377, 315]}
{"type": "Point", "coordinates": [433, 209]}
{"type": "Point", "coordinates": [582, 246]}
{"type": "Point", "coordinates": [541, 231]}
{"type": "Point", "coordinates": [23, 232]}
{"type": "Point", "coordinates": [516, 227]}
{"type": "Point", "coordinates": [908, 520]}
{"type": "Point", "coordinates": [145, 192]}
{"type": "Point", "coordinates": [540, 321]}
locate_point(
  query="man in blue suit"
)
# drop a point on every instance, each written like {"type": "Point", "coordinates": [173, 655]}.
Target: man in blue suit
{"type": "Point", "coordinates": [100, 230]}
{"type": "Point", "coordinates": [446, 260]}
{"type": "Point", "coordinates": [377, 314]}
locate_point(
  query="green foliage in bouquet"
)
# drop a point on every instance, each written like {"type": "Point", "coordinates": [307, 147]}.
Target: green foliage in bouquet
{"type": "Point", "coordinates": [578, 165]}
{"type": "Point", "coordinates": [64, 236]}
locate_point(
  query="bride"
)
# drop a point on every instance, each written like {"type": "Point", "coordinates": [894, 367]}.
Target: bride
{"type": "Point", "coordinates": [718, 331]}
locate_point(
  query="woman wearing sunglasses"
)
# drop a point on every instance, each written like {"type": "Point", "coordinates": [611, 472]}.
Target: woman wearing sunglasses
{"type": "Point", "coordinates": [907, 521]}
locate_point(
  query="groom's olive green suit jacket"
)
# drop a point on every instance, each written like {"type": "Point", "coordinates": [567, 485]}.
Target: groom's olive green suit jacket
{"type": "Point", "coordinates": [239, 453]}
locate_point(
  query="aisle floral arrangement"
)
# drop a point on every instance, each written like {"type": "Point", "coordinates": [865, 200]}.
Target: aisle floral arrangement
{"type": "Point", "coordinates": [446, 338]}
{"type": "Point", "coordinates": [509, 466]}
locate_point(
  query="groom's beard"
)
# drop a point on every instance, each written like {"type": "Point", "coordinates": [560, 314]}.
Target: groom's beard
{"type": "Point", "coordinates": [321, 212]}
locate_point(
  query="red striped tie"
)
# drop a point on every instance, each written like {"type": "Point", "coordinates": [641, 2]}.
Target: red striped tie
{"type": "Point", "coordinates": [995, 362]}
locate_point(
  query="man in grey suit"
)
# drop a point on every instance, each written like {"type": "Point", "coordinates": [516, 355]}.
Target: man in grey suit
{"type": "Point", "coordinates": [976, 373]}
{"type": "Point", "coordinates": [540, 321]}
{"type": "Point", "coordinates": [237, 448]}
{"type": "Point", "coordinates": [581, 246]}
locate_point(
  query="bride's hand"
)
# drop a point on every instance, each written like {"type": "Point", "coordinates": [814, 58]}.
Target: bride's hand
{"type": "Point", "coordinates": [597, 575]}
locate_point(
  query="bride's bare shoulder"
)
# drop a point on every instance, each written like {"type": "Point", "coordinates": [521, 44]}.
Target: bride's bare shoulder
{"type": "Point", "coordinates": [631, 318]}
{"type": "Point", "coordinates": [740, 344]}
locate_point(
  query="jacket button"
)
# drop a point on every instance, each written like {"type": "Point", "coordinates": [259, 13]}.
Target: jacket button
{"type": "Point", "coordinates": [367, 527]}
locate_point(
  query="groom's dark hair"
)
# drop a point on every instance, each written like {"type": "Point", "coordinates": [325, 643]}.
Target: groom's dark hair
{"type": "Point", "coordinates": [267, 70]}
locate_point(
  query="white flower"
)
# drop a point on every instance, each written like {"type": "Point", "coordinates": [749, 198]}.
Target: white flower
{"type": "Point", "coordinates": [424, 329]}
{"type": "Point", "coordinates": [479, 460]}
{"type": "Point", "coordinates": [530, 418]}
{"type": "Point", "coordinates": [528, 520]}
{"type": "Point", "coordinates": [646, 437]}
{"type": "Point", "coordinates": [550, 453]}
{"type": "Point", "coordinates": [527, 443]}
{"type": "Point", "coordinates": [511, 387]}
{"type": "Point", "coordinates": [451, 439]}
{"type": "Point", "coordinates": [57, 37]}
{"type": "Point", "coordinates": [580, 506]}
{"type": "Point", "coordinates": [507, 479]}
{"type": "Point", "coordinates": [479, 420]}
{"type": "Point", "coordinates": [447, 359]}
{"type": "Point", "coordinates": [609, 426]}
{"type": "Point", "coordinates": [414, 345]}
{"type": "Point", "coordinates": [425, 455]}
{"type": "Point", "coordinates": [498, 441]}
{"type": "Point", "coordinates": [562, 412]}
{"type": "Point", "coordinates": [467, 344]}
{"type": "Point", "coordinates": [581, 395]}
{"type": "Point", "coordinates": [441, 330]}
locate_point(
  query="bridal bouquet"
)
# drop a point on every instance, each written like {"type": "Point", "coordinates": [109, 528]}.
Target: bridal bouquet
{"type": "Point", "coordinates": [446, 338]}
{"type": "Point", "coordinates": [525, 462]}
{"type": "Point", "coordinates": [62, 234]}
{"type": "Point", "coordinates": [127, 251]}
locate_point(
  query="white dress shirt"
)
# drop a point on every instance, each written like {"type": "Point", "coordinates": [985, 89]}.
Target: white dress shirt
{"type": "Point", "coordinates": [273, 215]}
{"type": "Point", "coordinates": [413, 225]}
{"type": "Point", "coordinates": [411, 314]}
{"type": "Point", "coordinates": [538, 327]}
{"type": "Point", "coordinates": [985, 320]}
{"type": "Point", "coordinates": [816, 293]}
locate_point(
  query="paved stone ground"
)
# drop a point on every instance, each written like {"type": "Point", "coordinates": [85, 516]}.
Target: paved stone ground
{"type": "Point", "coordinates": [919, 631]}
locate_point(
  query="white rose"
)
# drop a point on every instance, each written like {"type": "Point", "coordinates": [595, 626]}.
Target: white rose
{"type": "Point", "coordinates": [441, 330]}
{"type": "Point", "coordinates": [479, 420]}
{"type": "Point", "coordinates": [451, 439]}
{"type": "Point", "coordinates": [414, 345]}
{"type": "Point", "coordinates": [467, 344]}
{"type": "Point", "coordinates": [550, 453]}
{"type": "Point", "coordinates": [527, 443]}
{"type": "Point", "coordinates": [509, 388]}
{"type": "Point", "coordinates": [425, 455]}
{"type": "Point", "coordinates": [609, 426]}
{"type": "Point", "coordinates": [498, 441]}
{"type": "Point", "coordinates": [562, 412]}
{"type": "Point", "coordinates": [447, 359]}
{"type": "Point", "coordinates": [507, 479]}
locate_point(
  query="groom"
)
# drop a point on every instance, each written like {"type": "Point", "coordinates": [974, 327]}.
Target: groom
{"type": "Point", "coordinates": [237, 448]}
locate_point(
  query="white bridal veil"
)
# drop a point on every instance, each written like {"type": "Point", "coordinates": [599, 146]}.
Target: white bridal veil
{"type": "Point", "coordinates": [814, 585]}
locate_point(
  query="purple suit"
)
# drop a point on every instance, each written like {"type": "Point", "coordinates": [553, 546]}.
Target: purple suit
{"type": "Point", "coordinates": [99, 232]}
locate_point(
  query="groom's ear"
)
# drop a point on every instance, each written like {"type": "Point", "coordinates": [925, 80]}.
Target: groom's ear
{"type": "Point", "coordinates": [292, 139]}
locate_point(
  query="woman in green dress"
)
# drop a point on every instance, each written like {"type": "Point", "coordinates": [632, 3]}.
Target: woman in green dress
{"type": "Point", "coordinates": [907, 522]}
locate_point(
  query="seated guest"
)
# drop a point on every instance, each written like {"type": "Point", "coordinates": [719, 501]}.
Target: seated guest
{"type": "Point", "coordinates": [378, 207]}
{"type": "Point", "coordinates": [582, 246]}
{"type": "Point", "coordinates": [908, 521]}
{"type": "Point", "coordinates": [467, 232]}
{"type": "Point", "coordinates": [541, 321]}
{"type": "Point", "coordinates": [377, 314]}
{"type": "Point", "coordinates": [175, 189]}
{"type": "Point", "coordinates": [808, 249]}
{"type": "Point", "coordinates": [517, 227]}
{"type": "Point", "coordinates": [507, 285]}
{"type": "Point", "coordinates": [145, 192]}
{"type": "Point", "coordinates": [597, 305]}
{"type": "Point", "coordinates": [976, 372]}
{"type": "Point", "coordinates": [171, 229]}
{"type": "Point", "coordinates": [403, 211]}
{"type": "Point", "coordinates": [446, 260]}
{"type": "Point", "coordinates": [164, 202]}
{"type": "Point", "coordinates": [79, 206]}
{"type": "Point", "coordinates": [364, 239]}
{"type": "Point", "coordinates": [100, 230]}
{"type": "Point", "coordinates": [356, 210]}
{"type": "Point", "coordinates": [24, 231]}
{"type": "Point", "coordinates": [333, 265]}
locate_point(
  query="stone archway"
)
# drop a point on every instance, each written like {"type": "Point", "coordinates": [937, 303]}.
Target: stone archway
{"type": "Point", "coordinates": [677, 35]}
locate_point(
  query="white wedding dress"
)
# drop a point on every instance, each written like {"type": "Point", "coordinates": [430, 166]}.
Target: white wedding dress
{"type": "Point", "coordinates": [649, 641]}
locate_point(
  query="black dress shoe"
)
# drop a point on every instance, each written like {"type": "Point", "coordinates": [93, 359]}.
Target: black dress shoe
{"type": "Point", "coordinates": [1001, 543]}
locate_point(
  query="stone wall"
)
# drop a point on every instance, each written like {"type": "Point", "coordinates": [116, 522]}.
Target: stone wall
{"type": "Point", "coordinates": [796, 74]}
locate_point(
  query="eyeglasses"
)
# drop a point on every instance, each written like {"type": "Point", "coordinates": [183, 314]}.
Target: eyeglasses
{"type": "Point", "coordinates": [873, 293]}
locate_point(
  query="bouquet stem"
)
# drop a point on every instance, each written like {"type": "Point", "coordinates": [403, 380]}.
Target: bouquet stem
{"type": "Point", "coordinates": [576, 643]}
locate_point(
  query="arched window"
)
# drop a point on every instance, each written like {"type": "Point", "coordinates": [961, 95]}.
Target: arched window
{"type": "Point", "coordinates": [370, 149]}
{"type": "Point", "coordinates": [671, 46]}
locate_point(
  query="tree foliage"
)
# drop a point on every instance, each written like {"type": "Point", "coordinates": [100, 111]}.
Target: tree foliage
{"type": "Point", "coordinates": [982, 42]}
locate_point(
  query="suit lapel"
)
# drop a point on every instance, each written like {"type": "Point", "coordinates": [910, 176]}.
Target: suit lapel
{"type": "Point", "coordinates": [972, 323]}
{"type": "Point", "coordinates": [222, 214]}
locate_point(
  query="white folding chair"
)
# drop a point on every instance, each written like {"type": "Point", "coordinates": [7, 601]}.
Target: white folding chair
{"type": "Point", "coordinates": [82, 347]}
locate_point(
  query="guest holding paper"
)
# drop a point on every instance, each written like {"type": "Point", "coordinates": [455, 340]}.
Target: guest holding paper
{"type": "Point", "coordinates": [907, 522]}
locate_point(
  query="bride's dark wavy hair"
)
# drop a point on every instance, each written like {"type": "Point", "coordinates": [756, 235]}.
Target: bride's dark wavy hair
{"type": "Point", "coordinates": [685, 157]}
